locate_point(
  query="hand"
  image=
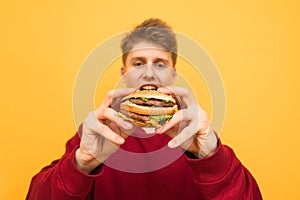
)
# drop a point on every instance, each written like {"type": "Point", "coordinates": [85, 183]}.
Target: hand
{"type": "Point", "coordinates": [189, 127]}
{"type": "Point", "coordinates": [103, 132]}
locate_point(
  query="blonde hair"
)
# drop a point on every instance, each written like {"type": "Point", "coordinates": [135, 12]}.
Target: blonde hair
{"type": "Point", "coordinates": [152, 30]}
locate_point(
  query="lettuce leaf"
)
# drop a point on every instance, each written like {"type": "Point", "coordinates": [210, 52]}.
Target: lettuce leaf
{"type": "Point", "coordinates": [161, 119]}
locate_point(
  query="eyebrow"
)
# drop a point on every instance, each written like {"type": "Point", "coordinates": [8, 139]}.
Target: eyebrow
{"type": "Point", "coordinates": [137, 58]}
{"type": "Point", "coordinates": [166, 61]}
{"type": "Point", "coordinates": [161, 60]}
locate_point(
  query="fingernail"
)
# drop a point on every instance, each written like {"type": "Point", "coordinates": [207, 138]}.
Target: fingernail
{"type": "Point", "coordinates": [171, 144]}
{"type": "Point", "coordinates": [161, 89]}
{"type": "Point", "coordinates": [120, 140]}
{"type": "Point", "coordinates": [128, 124]}
{"type": "Point", "coordinates": [158, 130]}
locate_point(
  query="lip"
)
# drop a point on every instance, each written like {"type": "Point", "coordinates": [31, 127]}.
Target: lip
{"type": "Point", "coordinates": [150, 85]}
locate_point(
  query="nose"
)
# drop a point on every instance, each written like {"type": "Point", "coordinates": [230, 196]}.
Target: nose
{"type": "Point", "coordinates": [149, 73]}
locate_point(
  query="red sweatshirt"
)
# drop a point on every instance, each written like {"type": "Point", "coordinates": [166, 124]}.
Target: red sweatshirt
{"type": "Point", "coordinates": [145, 168]}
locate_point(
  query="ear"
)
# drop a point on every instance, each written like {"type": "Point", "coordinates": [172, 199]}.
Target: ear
{"type": "Point", "coordinates": [174, 75]}
{"type": "Point", "coordinates": [122, 72]}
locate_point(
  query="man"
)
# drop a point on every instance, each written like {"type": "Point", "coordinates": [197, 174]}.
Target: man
{"type": "Point", "coordinates": [96, 167]}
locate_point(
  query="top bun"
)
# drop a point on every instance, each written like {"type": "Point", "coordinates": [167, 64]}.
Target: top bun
{"type": "Point", "coordinates": [150, 94]}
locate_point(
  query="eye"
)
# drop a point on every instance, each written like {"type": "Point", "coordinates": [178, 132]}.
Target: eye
{"type": "Point", "coordinates": [138, 64]}
{"type": "Point", "coordinates": [160, 65]}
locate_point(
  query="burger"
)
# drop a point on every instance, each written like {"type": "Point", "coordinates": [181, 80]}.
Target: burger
{"type": "Point", "coordinates": [147, 107]}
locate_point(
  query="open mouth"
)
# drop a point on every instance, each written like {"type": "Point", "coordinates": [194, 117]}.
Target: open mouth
{"type": "Point", "coordinates": [149, 87]}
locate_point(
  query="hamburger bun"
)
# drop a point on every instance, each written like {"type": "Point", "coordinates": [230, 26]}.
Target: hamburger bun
{"type": "Point", "coordinates": [148, 108]}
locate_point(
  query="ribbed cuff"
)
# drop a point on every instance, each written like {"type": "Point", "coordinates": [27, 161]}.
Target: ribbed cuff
{"type": "Point", "coordinates": [75, 181]}
{"type": "Point", "coordinates": [212, 168]}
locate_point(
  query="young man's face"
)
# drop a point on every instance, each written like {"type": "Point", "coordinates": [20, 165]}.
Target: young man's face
{"type": "Point", "coordinates": [148, 64]}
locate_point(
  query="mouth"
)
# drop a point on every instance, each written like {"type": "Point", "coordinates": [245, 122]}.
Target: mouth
{"type": "Point", "coordinates": [149, 87]}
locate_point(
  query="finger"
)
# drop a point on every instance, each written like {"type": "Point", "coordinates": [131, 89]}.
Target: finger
{"type": "Point", "coordinates": [111, 115]}
{"type": "Point", "coordinates": [125, 126]}
{"type": "Point", "coordinates": [177, 119]}
{"type": "Point", "coordinates": [106, 132]}
{"type": "Point", "coordinates": [115, 128]}
{"type": "Point", "coordinates": [115, 94]}
{"type": "Point", "coordinates": [199, 125]}
{"type": "Point", "coordinates": [92, 124]}
{"type": "Point", "coordinates": [182, 137]}
{"type": "Point", "coordinates": [173, 132]}
{"type": "Point", "coordinates": [184, 94]}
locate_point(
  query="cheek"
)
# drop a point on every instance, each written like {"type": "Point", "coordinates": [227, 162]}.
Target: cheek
{"type": "Point", "coordinates": [133, 74]}
{"type": "Point", "coordinates": [166, 78]}
{"type": "Point", "coordinates": [131, 78]}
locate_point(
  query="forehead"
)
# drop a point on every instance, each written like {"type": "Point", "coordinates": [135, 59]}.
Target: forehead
{"type": "Point", "coordinates": [148, 51]}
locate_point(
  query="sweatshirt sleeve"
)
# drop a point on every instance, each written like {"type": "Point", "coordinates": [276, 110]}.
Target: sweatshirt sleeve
{"type": "Point", "coordinates": [222, 176]}
{"type": "Point", "coordinates": [61, 179]}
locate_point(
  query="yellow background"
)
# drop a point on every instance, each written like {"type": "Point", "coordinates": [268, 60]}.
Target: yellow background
{"type": "Point", "coordinates": [254, 44]}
